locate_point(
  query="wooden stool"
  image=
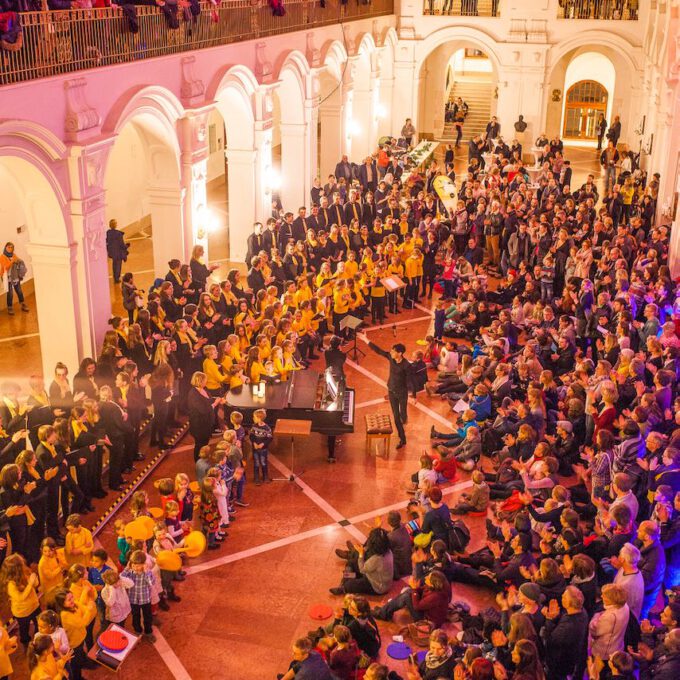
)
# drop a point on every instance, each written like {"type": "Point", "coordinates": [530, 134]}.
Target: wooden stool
{"type": "Point", "coordinates": [378, 428]}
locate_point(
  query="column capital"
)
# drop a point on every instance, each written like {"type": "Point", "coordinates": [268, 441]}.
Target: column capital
{"type": "Point", "coordinates": [55, 255]}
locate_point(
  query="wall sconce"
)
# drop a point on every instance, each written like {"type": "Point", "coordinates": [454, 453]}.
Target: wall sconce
{"type": "Point", "coordinates": [353, 128]}
{"type": "Point", "coordinates": [208, 223]}
{"type": "Point", "coordinates": [272, 181]}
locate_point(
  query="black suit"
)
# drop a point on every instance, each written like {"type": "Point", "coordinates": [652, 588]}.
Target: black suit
{"type": "Point", "coordinates": [255, 279]}
{"type": "Point", "coordinates": [117, 250]}
{"type": "Point", "coordinates": [324, 219]}
{"type": "Point", "coordinates": [337, 214]}
{"type": "Point", "coordinates": [300, 227]}
{"type": "Point", "coordinates": [256, 243]}
{"type": "Point", "coordinates": [353, 210]}
{"type": "Point", "coordinates": [344, 170]}
{"type": "Point", "coordinates": [116, 427]}
{"type": "Point", "coordinates": [271, 239]}
{"type": "Point", "coordinates": [201, 419]}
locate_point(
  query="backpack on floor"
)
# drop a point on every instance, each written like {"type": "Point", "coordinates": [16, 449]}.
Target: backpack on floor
{"type": "Point", "coordinates": [458, 536]}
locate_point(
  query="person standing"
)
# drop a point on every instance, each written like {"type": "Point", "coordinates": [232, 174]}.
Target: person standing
{"type": "Point", "coordinates": [15, 268]}
{"type": "Point", "coordinates": [614, 131]}
{"type": "Point", "coordinates": [601, 130]}
{"type": "Point", "coordinates": [408, 132]}
{"type": "Point", "coordinates": [397, 383]}
{"type": "Point", "coordinates": [608, 160]}
{"type": "Point", "coordinates": [116, 248]}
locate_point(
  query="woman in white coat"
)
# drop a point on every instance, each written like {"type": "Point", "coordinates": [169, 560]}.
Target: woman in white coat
{"type": "Point", "coordinates": [607, 628]}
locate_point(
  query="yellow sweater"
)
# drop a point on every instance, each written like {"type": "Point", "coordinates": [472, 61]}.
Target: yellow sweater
{"type": "Point", "coordinates": [81, 541]}
{"type": "Point", "coordinates": [49, 668]}
{"type": "Point", "coordinates": [215, 378]}
{"type": "Point", "coordinates": [6, 648]}
{"type": "Point", "coordinates": [23, 602]}
{"type": "Point", "coordinates": [75, 623]}
{"type": "Point", "coordinates": [51, 573]}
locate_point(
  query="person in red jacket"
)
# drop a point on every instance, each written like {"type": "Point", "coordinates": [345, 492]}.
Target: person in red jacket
{"type": "Point", "coordinates": [424, 601]}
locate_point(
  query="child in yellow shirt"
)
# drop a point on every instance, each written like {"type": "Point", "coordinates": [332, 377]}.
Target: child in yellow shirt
{"type": "Point", "coordinates": [50, 568]}
{"type": "Point", "coordinates": [79, 543]}
{"type": "Point", "coordinates": [20, 586]}
{"type": "Point", "coordinates": [42, 661]}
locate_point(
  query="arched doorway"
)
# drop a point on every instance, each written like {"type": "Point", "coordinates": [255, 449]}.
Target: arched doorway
{"type": "Point", "coordinates": [458, 68]}
{"type": "Point", "coordinates": [33, 218]}
{"type": "Point", "coordinates": [584, 103]}
{"type": "Point", "coordinates": [144, 195]}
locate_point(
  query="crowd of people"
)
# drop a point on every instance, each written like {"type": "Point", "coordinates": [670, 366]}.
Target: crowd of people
{"type": "Point", "coordinates": [563, 409]}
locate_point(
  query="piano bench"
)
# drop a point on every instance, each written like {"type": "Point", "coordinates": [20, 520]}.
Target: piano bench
{"type": "Point", "coordinates": [378, 429]}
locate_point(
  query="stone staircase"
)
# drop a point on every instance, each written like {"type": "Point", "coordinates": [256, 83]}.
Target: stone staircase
{"type": "Point", "coordinates": [478, 94]}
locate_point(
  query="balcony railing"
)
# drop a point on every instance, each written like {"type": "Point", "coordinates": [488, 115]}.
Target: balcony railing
{"type": "Point", "coordinates": [57, 42]}
{"type": "Point", "coordinates": [462, 8]}
{"type": "Point", "coordinates": [607, 10]}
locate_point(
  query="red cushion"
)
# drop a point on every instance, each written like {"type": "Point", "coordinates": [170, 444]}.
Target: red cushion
{"type": "Point", "coordinates": [113, 641]}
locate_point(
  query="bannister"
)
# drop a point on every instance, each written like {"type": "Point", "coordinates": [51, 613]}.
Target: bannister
{"type": "Point", "coordinates": [607, 10]}
{"type": "Point", "coordinates": [462, 8]}
{"type": "Point", "coordinates": [57, 42]}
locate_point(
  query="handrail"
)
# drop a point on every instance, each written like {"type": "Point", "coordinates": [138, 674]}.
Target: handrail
{"type": "Point", "coordinates": [605, 10]}
{"type": "Point", "coordinates": [65, 41]}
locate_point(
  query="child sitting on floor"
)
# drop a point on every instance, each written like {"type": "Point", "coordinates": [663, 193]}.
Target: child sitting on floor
{"type": "Point", "coordinates": [478, 498]}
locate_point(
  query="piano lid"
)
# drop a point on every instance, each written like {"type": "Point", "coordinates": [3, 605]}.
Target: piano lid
{"type": "Point", "coordinates": [303, 389]}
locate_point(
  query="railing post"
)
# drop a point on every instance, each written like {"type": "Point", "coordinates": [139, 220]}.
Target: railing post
{"type": "Point", "coordinates": [255, 18]}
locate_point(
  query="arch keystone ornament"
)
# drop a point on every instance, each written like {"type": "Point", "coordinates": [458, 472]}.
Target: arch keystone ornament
{"type": "Point", "coordinates": [192, 88]}
{"type": "Point", "coordinates": [82, 120]}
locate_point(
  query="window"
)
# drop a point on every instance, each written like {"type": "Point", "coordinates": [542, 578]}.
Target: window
{"type": "Point", "coordinates": [585, 101]}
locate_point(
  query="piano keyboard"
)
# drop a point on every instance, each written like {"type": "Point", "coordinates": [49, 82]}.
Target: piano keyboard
{"type": "Point", "coordinates": [348, 408]}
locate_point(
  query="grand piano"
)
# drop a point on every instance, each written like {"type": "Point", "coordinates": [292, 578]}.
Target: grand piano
{"type": "Point", "coordinates": [322, 398]}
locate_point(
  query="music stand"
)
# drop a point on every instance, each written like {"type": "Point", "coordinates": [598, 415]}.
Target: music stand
{"type": "Point", "coordinates": [292, 428]}
{"type": "Point", "coordinates": [352, 322]}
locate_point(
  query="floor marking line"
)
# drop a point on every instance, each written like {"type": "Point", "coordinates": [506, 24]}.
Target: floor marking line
{"type": "Point", "coordinates": [258, 550]}
{"type": "Point", "coordinates": [169, 657]}
{"type": "Point", "coordinates": [421, 407]}
{"type": "Point", "coordinates": [402, 504]}
{"type": "Point", "coordinates": [397, 323]}
{"type": "Point", "coordinates": [372, 402]}
{"type": "Point", "coordinates": [20, 337]}
{"type": "Point", "coordinates": [422, 308]}
{"type": "Point", "coordinates": [316, 498]}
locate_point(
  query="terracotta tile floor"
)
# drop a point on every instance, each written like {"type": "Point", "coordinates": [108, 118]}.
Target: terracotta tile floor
{"type": "Point", "coordinates": [245, 604]}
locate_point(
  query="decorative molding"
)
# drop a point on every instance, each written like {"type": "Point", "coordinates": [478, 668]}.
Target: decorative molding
{"type": "Point", "coordinates": [312, 53]}
{"type": "Point", "coordinates": [264, 71]}
{"type": "Point", "coordinates": [192, 87]}
{"type": "Point", "coordinates": [82, 120]}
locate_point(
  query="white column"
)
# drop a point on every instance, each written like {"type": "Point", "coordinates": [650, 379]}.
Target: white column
{"type": "Point", "coordinates": [347, 120]}
{"type": "Point", "coordinates": [385, 124]}
{"type": "Point", "coordinates": [312, 117]}
{"type": "Point", "coordinates": [59, 314]}
{"type": "Point", "coordinates": [332, 125]}
{"type": "Point", "coordinates": [88, 220]}
{"type": "Point", "coordinates": [362, 124]}
{"type": "Point", "coordinates": [194, 171]}
{"type": "Point", "coordinates": [169, 239]}
{"type": "Point", "coordinates": [405, 105]}
{"type": "Point", "coordinates": [294, 149]}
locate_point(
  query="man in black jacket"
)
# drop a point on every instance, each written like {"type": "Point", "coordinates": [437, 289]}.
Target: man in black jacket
{"type": "Point", "coordinates": [566, 635]}
{"type": "Point", "coordinates": [116, 249]}
{"type": "Point", "coordinates": [256, 242]}
{"type": "Point", "coordinates": [397, 383]}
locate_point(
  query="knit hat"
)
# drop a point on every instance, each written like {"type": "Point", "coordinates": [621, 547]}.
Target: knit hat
{"type": "Point", "coordinates": [565, 425]}
{"type": "Point", "coordinates": [531, 591]}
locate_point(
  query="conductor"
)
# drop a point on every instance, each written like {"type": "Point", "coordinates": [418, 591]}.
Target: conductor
{"type": "Point", "coordinates": [397, 383]}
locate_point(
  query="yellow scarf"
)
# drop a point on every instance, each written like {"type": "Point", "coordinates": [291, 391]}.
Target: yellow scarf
{"type": "Point", "coordinates": [78, 428]}
{"type": "Point", "coordinates": [41, 398]}
{"type": "Point", "coordinates": [14, 409]}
